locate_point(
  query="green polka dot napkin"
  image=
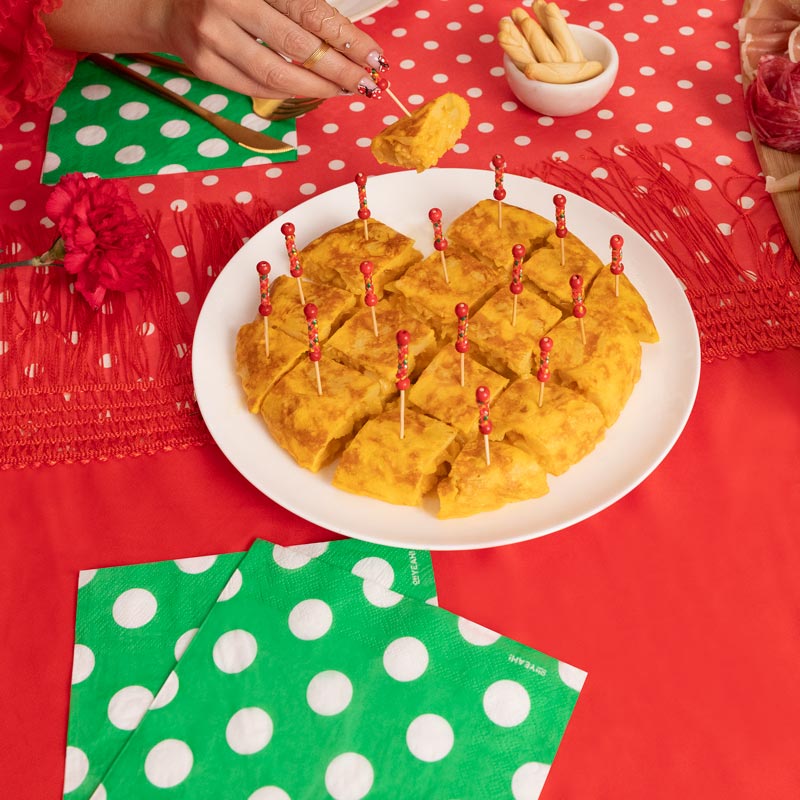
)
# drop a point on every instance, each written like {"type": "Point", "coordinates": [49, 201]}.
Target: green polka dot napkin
{"type": "Point", "coordinates": [104, 125]}
{"type": "Point", "coordinates": [309, 680]}
{"type": "Point", "coordinates": [134, 622]}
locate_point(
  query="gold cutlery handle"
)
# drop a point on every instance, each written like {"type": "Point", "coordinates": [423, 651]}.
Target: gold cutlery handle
{"type": "Point", "coordinates": [246, 137]}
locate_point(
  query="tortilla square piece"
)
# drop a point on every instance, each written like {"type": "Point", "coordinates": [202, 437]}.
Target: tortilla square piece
{"type": "Point", "coordinates": [356, 345]}
{"type": "Point", "coordinates": [420, 140]}
{"type": "Point", "coordinates": [438, 391]}
{"type": "Point", "coordinates": [506, 348]}
{"type": "Point", "coordinates": [257, 373]}
{"type": "Point", "coordinates": [605, 369]}
{"type": "Point", "coordinates": [545, 269]}
{"type": "Point", "coordinates": [335, 306]}
{"type": "Point", "coordinates": [314, 428]}
{"type": "Point", "coordinates": [422, 291]}
{"type": "Point", "coordinates": [472, 486]}
{"type": "Point", "coordinates": [378, 463]}
{"type": "Point", "coordinates": [336, 256]}
{"type": "Point", "coordinates": [559, 434]}
{"type": "Point", "coordinates": [630, 306]}
{"type": "Point", "coordinates": [476, 230]}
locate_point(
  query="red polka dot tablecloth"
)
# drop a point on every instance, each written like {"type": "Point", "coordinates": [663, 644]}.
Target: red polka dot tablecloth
{"type": "Point", "coordinates": [668, 149]}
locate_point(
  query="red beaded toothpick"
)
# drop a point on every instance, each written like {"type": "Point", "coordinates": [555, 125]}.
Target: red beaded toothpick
{"type": "Point", "coordinates": [439, 242]}
{"type": "Point", "coordinates": [560, 203]}
{"type": "Point", "coordinates": [482, 396]}
{"type": "Point", "coordinates": [370, 298]}
{"type": "Point", "coordinates": [295, 267]}
{"type": "Point", "coordinates": [383, 85]}
{"type": "Point", "coordinates": [265, 306]}
{"type": "Point", "coordinates": [402, 383]}
{"type": "Point", "coordinates": [617, 267]}
{"type": "Point", "coordinates": [499, 164]}
{"type": "Point", "coordinates": [314, 349]}
{"type": "Point", "coordinates": [578, 308]}
{"type": "Point", "coordinates": [516, 287]}
{"type": "Point", "coordinates": [543, 375]}
{"type": "Point", "coordinates": [363, 210]}
{"type": "Point", "coordinates": [462, 340]}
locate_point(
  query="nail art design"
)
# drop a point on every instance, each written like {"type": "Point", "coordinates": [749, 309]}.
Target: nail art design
{"type": "Point", "coordinates": [377, 61]}
{"type": "Point", "coordinates": [369, 88]}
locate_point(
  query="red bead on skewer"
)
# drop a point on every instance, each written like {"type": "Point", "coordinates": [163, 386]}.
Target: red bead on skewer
{"type": "Point", "coordinates": [295, 267]}
{"type": "Point", "coordinates": [543, 374]}
{"type": "Point", "coordinates": [314, 349]}
{"type": "Point", "coordinates": [560, 203]}
{"type": "Point", "coordinates": [462, 340]}
{"type": "Point", "coordinates": [265, 306]}
{"type": "Point", "coordinates": [370, 298]}
{"type": "Point", "coordinates": [402, 383]}
{"type": "Point", "coordinates": [383, 86]}
{"type": "Point", "coordinates": [617, 267]}
{"type": "Point", "coordinates": [578, 308]}
{"type": "Point", "coordinates": [363, 210]}
{"type": "Point", "coordinates": [482, 396]}
{"type": "Point", "coordinates": [499, 194]}
{"type": "Point", "coordinates": [516, 287]}
{"type": "Point", "coordinates": [439, 242]}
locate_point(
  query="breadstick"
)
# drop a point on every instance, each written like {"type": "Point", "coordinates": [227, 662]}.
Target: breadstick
{"type": "Point", "coordinates": [539, 7]}
{"type": "Point", "coordinates": [540, 43]}
{"type": "Point", "coordinates": [561, 34]}
{"type": "Point", "coordinates": [562, 72]}
{"type": "Point", "coordinates": [514, 43]}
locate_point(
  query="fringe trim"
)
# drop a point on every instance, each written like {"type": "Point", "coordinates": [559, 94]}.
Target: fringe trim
{"type": "Point", "coordinates": [79, 385]}
{"type": "Point", "coordinates": [739, 307]}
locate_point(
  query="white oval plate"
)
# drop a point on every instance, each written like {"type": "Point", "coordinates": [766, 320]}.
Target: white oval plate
{"type": "Point", "coordinates": [648, 427]}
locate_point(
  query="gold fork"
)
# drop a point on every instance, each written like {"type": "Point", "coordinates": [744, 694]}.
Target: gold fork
{"type": "Point", "coordinates": [267, 108]}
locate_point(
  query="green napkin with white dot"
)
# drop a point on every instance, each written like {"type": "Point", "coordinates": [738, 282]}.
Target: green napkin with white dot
{"type": "Point", "coordinates": [311, 680]}
{"type": "Point", "coordinates": [134, 622]}
{"type": "Point", "coordinates": [104, 125]}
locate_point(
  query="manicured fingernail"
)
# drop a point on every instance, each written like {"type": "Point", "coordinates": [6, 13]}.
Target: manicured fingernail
{"type": "Point", "coordinates": [377, 61]}
{"type": "Point", "coordinates": [369, 88]}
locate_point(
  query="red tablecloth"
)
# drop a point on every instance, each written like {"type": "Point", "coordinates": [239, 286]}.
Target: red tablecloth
{"type": "Point", "coordinates": [681, 600]}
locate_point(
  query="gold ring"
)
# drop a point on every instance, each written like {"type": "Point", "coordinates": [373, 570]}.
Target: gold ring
{"type": "Point", "coordinates": [316, 55]}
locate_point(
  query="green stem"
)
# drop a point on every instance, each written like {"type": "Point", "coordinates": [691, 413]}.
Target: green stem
{"type": "Point", "coordinates": [53, 256]}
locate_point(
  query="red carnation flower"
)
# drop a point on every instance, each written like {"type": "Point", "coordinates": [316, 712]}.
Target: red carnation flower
{"type": "Point", "coordinates": [104, 242]}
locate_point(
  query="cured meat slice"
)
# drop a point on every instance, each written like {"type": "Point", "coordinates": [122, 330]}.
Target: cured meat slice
{"type": "Point", "coordinates": [772, 103]}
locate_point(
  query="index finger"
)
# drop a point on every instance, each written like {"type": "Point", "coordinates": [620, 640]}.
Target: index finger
{"type": "Point", "coordinates": [330, 25]}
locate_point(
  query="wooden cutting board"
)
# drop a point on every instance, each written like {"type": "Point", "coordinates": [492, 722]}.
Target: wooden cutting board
{"type": "Point", "coordinates": [778, 163]}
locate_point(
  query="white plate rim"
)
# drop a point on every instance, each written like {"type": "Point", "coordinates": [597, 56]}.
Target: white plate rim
{"type": "Point", "coordinates": [653, 419]}
{"type": "Point", "coordinates": [360, 8]}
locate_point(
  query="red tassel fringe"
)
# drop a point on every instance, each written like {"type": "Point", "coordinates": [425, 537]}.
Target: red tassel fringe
{"type": "Point", "coordinates": [79, 385]}
{"type": "Point", "coordinates": [740, 307]}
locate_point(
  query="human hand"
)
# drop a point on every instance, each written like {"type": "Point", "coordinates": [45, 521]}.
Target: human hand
{"type": "Point", "coordinates": [217, 39]}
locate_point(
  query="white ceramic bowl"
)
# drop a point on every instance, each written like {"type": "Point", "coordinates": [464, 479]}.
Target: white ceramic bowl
{"type": "Point", "coordinates": [566, 99]}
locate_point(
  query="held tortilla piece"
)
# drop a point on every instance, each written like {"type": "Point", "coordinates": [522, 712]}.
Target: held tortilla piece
{"type": "Point", "coordinates": [420, 140]}
{"type": "Point", "coordinates": [334, 305]}
{"type": "Point", "coordinates": [545, 269]}
{"type": "Point", "coordinates": [630, 306]}
{"type": "Point", "coordinates": [476, 230]}
{"type": "Point", "coordinates": [438, 391]}
{"type": "Point", "coordinates": [605, 369]}
{"type": "Point", "coordinates": [257, 374]}
{"type": "Point", "coordinates": [336, 255]}
{"type": "Point", "coordinates": [559, 434]}
{"type": "Point", "coordinates": [506, 348]}
{"type": "Point", "coordinates": [379, 464]}
{"type": "Point", "coordinates": [314, 428]}
{"type": "Point", "coordinates": [422, 291]}
{"type": "Point", "coordinates": [473, 487]}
